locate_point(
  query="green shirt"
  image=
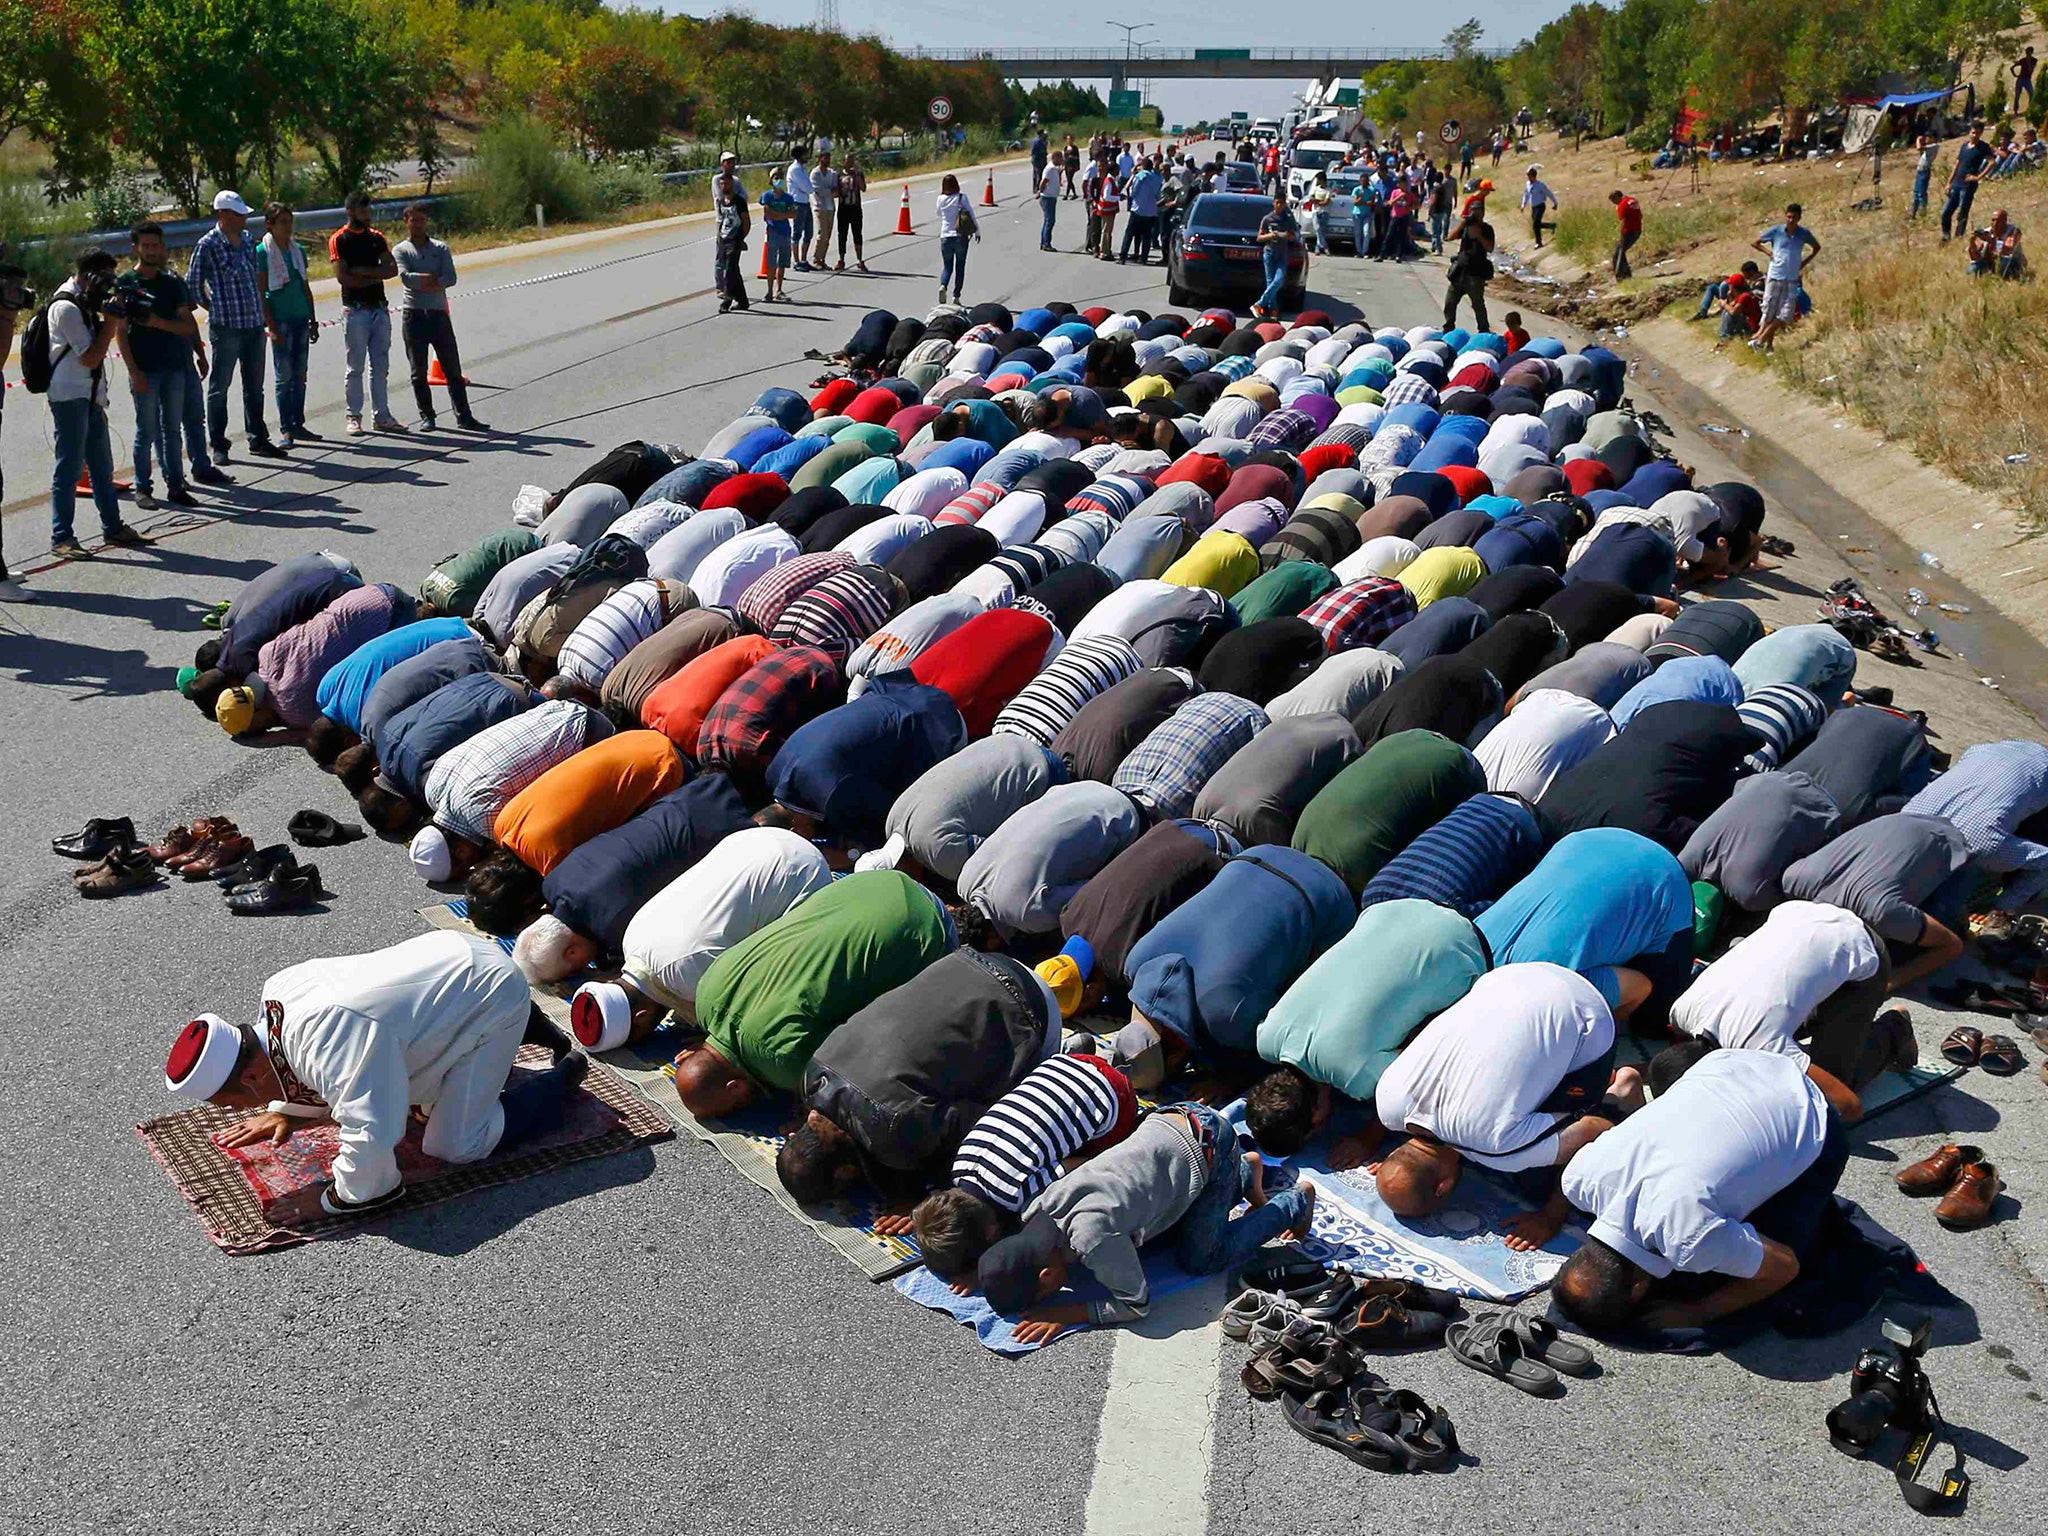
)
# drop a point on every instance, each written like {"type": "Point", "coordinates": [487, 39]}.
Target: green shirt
{"type": "Point", "coordinates": [767, 1002]}
{"type": "Point", "coordinates": [1348, 1015]}
{"type": "Point", "coordinates": [1283, 591]}
{"type": "Point", "coordinates": [1377, 806]}
{"type": "Point", "coordinates": [456, 583]}
{"type": "Point", "coordinates": [294, 301]}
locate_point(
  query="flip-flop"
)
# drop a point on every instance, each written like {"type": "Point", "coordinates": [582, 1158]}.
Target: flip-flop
{"type": "Point", "coordinates": [2001, 1056]}
{"type": "Point", "coordinates": [1541, 1341]}
{"type": "Point", "coordinates": [1965, 1043]}
{"type": "Point", "coordinates": [1326, 1418]}
{"type": "Point", "coordinates": [1485, 1344]}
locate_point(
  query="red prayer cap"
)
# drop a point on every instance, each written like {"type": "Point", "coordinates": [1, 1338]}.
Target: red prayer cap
{"type": "Point", "coordinates": [1204, 469]}
{"type": "Point", "coordinates": [1586, 476]}
{"type": "Point", "coordinates": [831, 400]}
{"type": "Point", "coordinates": [985, 663]}
{"type": "Point", "coordinates": [1469, 482]}
{"type": "Point", "coordinates": [1324, 457]}
{"type": "Point", "coordinates": [756, 494]}
{"type": "Point", "coordinates": [874, 405]}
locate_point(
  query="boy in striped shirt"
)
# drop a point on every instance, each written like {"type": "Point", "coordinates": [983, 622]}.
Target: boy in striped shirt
{"type": "Point", "coordinates": [1067, 1109]}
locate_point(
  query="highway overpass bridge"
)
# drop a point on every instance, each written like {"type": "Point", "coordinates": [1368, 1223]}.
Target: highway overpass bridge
{"type": "Point", "coordinates": [1159, 63]}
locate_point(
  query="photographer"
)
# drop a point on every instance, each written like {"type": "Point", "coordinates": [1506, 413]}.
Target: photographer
{"type": "Point", "coordinates": [156, 342]}
{"type": "Point", "coordinates": [82, 328]}
{"type": "Point", "coordinates": [16, 297]}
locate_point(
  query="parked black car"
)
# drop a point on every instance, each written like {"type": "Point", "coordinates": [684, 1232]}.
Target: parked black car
{"type": "Point", "coordinates": [1216, 254]}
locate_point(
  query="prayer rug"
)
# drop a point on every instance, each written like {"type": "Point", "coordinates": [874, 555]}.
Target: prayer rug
{"type": "Point", "coordinates": [247, 1198]}
{"type": "Point", "coordinates": [748, 1141]}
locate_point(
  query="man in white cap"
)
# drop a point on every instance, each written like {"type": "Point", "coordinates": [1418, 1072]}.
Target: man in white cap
{"type": "Point", "coordinates": [227, 279]}
{"type": "Point", "coordinates": [360, 1039]}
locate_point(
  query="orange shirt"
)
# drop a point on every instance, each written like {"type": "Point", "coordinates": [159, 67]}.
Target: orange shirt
{"type": "Point", "coordinates": [678, 706]}
{"type": "Point", "coordinates": [598, 789]}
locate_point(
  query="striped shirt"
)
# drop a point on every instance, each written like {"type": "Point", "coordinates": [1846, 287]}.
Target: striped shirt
{"type": "Point", "coordinates": [471, 783]}
{"type": "Point", "coordinates": [1050, 700]}
{"type": "Point", "coordinates": [1079, 538]}
{"type": "Point", "coordinates": [1115, 494]}
{"type": "Point", "coordinates": [1466, 860]}
{"type": "Point", "coordinates": [765, 598]}
{"type": "Point", "coordinates": [839, 612]}
{"type": "Point", "coordinates": [1017, 1146]}
{"type": "Point", "coordinates": [1020, 1141]}
{"type": "Point", "coordinates": [1167, 770]}
{"type": "Point", "coordinates": [618, 624]}
{"type": "Point", "coordinates": [1364, 612]}
{"type": "Point", "coordinates": [1786, 716]}
{"type": "Point", "coordinates": [970, 505]}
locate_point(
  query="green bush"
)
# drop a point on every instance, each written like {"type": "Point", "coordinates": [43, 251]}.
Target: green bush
{"type": "Point", "coordinates": [39, 238]}
{"type": "Point", "coordinates": [121, 200]}
{"type": "Point", "coordinates": [620, 184]}
{"type": "Point", "coordinates": [518, 163]}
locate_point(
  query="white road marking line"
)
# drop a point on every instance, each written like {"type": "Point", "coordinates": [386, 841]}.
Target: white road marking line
{"type": "Point", "coordinates": [1159, 1421]}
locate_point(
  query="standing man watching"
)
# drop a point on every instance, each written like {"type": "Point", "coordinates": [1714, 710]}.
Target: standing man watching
{"type": "Point", "coordinates": [14, 298]}
{"type": "Point", "coordinates": [362, 261]}
{"type": "Point", "coordinates": [1039, 152]}
{"type": "Point", "coordinates": [288, 317]}
{"type": "Point", "coordinates": [227, 283]}
{"type": "Point", "coordinates": [426, 271]}
{"type": "Point", "coordinates": [1536, 197]}
{"type": "Point", "coordinates": [1973, 159]}
{"type": "Point", "coordinates": [1788, 245]}
{"type": "Point", "coordinates": [729, 202]}
{"type": "Point", "coordinates": [1472, 266]}
{"type": "Point", "coordinates": [1628, 215]}
{"type": "Point", "coordinates": [1049, 199]}
{"type": "Point", "coordinates": [80, 333]}
{"type": "Point", "coordinates": [1923, 173]}
{"type": "Point", "coordinates": [1279, 237]}
{"type": "Point", "coordinates": [2023, 78]}
{"type": "Point", "coordinates": [1143, 194]}
{"type": "Point", "coordinates": [824, 205]}
{"type": "Point", "coordinates": [800, 227]}
{"type": "Point", "coordinates": [155, 343]}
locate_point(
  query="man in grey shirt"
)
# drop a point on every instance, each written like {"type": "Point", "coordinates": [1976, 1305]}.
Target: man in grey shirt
{"type": "Point", "coordinates": [1019, 878]}
{"type": "Point", "coordinates": [824, 204]}
{"type": "Point", "coordinates": [1260, 793]}
{"type": "Point", "coordinates": [1891, 872]}
{"type": "Point", "coordinates": [1770, 821]}
{"type": "Point", "coordinates": [426, 271]}
{"type": "Point", "coordinates": [1181, 1171]}
{"type": "Point", "coordinates": [959, 802]}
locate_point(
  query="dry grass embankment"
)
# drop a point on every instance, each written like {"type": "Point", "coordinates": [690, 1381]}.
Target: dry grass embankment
{"type": "Point", "coordinates": [1900, 337]}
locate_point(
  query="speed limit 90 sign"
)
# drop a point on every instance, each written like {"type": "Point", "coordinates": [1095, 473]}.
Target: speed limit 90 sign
{"type": "Point", "coordinates": [1450, 132]}
{"type": "Point", "coordinates": [941, 109]}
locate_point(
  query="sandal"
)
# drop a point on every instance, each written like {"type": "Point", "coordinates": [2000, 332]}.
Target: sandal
{"type": "Point", "coordinates": [2001, 1056]}
{"type": "Point", "coordinates": [1965, 1043]}
{"type": "Point", "coordinates": [1327, 1418]}
{"type": "Point", "coordinates": [1323, 1363]}
{"type": "Point", "coordinates": [1426, 1435]}
{"type": "Point", "coordinates": [1486, 1344]}
{"type": "Point", "coordinates": [1542, 1342]}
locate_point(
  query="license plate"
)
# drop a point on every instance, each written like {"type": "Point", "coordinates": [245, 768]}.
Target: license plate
{"type": "Point", "coordinates": [1237, 254]}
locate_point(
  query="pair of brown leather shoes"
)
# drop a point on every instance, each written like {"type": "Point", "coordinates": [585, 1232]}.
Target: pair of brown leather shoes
{"type": "Point", "coordinates": [181, 845]}
{"type": "Point", "coordinates": [1967, 1184]}
{"type": "Point", "coordinates": [216, 855]}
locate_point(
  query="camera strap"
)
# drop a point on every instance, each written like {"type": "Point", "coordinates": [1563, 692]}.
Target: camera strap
{"type": "Point", "coordinates": [1954, 1486]}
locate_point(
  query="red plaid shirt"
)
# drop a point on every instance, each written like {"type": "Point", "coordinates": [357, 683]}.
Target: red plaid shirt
{"type": "Point", "coordinates": [753, 717]}
{"type": "Point", "coordinates": [1363, 613]}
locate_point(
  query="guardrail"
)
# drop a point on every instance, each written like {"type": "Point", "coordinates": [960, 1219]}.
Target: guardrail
{"type": "Point", "coordinates": [1152, 55]}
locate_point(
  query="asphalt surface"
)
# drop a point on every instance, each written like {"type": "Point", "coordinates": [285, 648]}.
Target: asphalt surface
{"type": "Point", "coordinates": [642, 1343]}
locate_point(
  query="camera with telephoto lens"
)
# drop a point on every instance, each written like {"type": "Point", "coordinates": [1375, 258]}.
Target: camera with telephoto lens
{"type": "Point", "coordinates": [15, 292]}
{"type": "Point", "coordinates": [1887, 1389]}
{"type": "Point", "coordinates": [99, 298]}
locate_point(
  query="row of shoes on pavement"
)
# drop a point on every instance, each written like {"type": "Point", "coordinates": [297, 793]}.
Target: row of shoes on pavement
{"type": "Point", "coordinates": [1967, 1183]}
{"type": "Point", "coordinates": [257, 882]}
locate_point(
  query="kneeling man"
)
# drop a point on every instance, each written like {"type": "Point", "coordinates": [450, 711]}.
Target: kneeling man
{"type": "Point", "coordinates": [436, 1021]}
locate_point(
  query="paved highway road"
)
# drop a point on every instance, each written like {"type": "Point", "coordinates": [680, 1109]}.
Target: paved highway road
{"type": "Point", "coordinates": [644, 1343]}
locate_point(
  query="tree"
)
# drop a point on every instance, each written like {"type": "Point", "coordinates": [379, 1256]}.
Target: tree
{"type": "Point", "coordinates": [364, 105]}
{"type": "Point", "coordinates": [615, 99]}
{"type": "Point", "coordinates": [429, 150]}
{"type": "Point", "coordinates": [50, 91]}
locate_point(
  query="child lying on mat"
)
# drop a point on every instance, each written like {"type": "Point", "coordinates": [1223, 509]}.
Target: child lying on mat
{"type": "Point", "coordinates": [1180, 1171]}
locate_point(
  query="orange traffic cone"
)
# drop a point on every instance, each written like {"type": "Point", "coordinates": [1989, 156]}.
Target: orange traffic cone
{"type": "Point", "coordinates": [763, 273]}
{"type": "Point", "coordinates": [988, 192]}
{"type": "Point", "coordinates": [903, 213]}
{"type": "Point", "coordinates": [436, 376]}
{"type": "Point", "coordinates": [85, 484]}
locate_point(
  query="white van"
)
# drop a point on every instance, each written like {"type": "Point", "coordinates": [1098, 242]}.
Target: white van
{"type": "Point", "coordinates": [1308, 157]}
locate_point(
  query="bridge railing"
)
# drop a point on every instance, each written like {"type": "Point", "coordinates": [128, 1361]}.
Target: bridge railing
{"type": "Point", "coordinates": [1154, 55]}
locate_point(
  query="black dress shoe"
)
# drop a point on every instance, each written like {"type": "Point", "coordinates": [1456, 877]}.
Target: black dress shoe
{"type": "Point", "coordinates": [266, 449]}
{"type": "Point", "coordinates": [96, 839]}
{"type": "Point", "coordinates": [471, 424]}
{"type": "Point", "coordinates": [282, 890]}
{"type": "Point", "coordinates": [212, 476]}
{"type": "Point", "coordinates": [256, 867]}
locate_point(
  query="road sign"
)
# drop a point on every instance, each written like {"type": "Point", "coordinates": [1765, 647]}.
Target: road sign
{"type": "Point", "coordinates": [940, 109]}
{"type": "Point", "coordinates": [1125, 103]}
{"type": "Point", "coordinates": [1450, 132]}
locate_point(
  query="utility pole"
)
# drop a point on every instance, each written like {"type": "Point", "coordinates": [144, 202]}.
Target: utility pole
{"type": "Point", "coordinates": [1119, 81]}
{"type": "Point", "coordinates": [828, 15]}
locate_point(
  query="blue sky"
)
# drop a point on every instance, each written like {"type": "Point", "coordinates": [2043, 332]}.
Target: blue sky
{"type": "Point", "coordinates": [1066, 24]}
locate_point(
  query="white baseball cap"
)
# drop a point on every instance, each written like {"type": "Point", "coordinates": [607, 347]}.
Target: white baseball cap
{"type": "Point", "coordinates": [232, 202]}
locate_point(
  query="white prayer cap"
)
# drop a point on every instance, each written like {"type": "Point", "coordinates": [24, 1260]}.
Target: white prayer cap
{"type": "Point", "coordinates": [432, 858]}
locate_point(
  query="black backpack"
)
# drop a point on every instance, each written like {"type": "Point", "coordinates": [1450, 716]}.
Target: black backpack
{"type": "Point", "coordinates": [35, 353]}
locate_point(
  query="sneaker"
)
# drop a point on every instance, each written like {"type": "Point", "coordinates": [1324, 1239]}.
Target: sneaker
{"type": "Point", "coordinates": [178, 496]}
{"type": "Point", "coordinates": [264, 448]}
{"type": "Point", "coordinates": [391, 424]}
{"type": "Point", "coordinates": [12, 591]}
{"type": "Point", "coordinates": [125, 536]}
{"type": "Point", "coordinates": [355, 426]}
{"type": "Point", "coordinates": [800, 266]}
{"type": "Point", "coordinates": [70, 549]}
{"type": "Point", "coordinates": [212, 476]}
{"type": "Point", "coordinates": [145, 502]}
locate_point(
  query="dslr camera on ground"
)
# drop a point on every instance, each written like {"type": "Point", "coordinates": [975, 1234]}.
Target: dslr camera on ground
{"type": "Point", "coordinates": [1888, 1390]}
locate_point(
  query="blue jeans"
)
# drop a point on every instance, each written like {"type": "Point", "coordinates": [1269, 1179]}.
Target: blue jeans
{"type": "Point", "coordinates": [1919, 193]}
{"type": "Point", "coordinates": [367, 334]}
{"type": "Point", "coordinates": [1276, 276]}
{"type": "Point", "coordinates": [953, 260]}
{"type": "Point", "coordinates": [194, 414]}
{"type": "Point", "coordinates": [1051, 205]}
{"type": "Point", "coordinates": [800, 231]}
{"type": "Point", "coordinates": [1711, 295]}
{"type": "Point", "coordinates": [1439, 226]}
{"type": "Point", "coordinates": [1956, 207]}
{"type": "Point", "coordinates": [1205, 1240]}
{"type": "Point", "coordinates": [83, 442]}
{"type": "Point", "coordinates": [233, 348]}
{"type": "Point", "coordinates": [159, 416]}
{"type": "Point", "coordinates": [288, 357]}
